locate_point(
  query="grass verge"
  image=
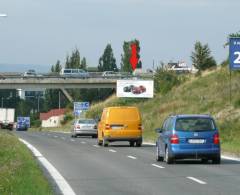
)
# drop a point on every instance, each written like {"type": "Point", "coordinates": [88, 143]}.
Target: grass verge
{"type": "Point", "coordinates": [20, 174]}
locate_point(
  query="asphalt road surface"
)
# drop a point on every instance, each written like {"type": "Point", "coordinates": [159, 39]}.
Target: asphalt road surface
{"type": "Point", "coordinates": [123, 170]}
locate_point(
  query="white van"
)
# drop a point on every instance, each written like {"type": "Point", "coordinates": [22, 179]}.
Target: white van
{"type": "Point", "coordinates": [78, 73]}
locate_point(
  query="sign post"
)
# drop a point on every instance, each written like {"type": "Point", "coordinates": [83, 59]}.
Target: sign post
{"type": "Point", "coordinates": [234, 58]}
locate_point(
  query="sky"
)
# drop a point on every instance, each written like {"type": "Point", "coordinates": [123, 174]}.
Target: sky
{"type": "Point", "coordinates": [39, 32]}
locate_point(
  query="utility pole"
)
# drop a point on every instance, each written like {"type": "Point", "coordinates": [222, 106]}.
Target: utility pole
{"type": "Point", "coordinates": [38, 103]}
{"type": "Point", "coordinates": [2, 102]}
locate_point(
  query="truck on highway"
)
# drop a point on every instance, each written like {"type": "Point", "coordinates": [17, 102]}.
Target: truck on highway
{"type": "Point", "coordinates": [23, 123]}
{"type": "Point", "coordinates": [7, 118]}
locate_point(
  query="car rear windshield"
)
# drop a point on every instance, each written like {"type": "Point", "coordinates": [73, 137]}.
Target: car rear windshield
{"type": "Point", "coordinates": [89, 121]}
{"type": "Point", "coordinates": [195, 124]}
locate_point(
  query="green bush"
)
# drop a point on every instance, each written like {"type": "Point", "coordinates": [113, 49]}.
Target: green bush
{"type": "Point", "coordinates": [36, 123]}
{"type": "Point", "coordinates": [165, 80]}
{"type": "Point", "coordinates": [67, 117]}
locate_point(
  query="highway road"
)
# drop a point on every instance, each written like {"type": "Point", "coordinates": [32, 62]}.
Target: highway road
{"type": "Point", "coordinates": [122, 170]}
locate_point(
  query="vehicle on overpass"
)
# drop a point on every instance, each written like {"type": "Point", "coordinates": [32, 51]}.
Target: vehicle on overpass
{"type": "Point", "coordinates": [120, 124]}
{"type": "Point", "coordinates": [30, 73]}
{"type": "Point", "coordinates": [7, 118]}
{"type": "Point", "coordinates": [85, 127]}
{"type": "Point", "coordinates": [111, 74]}
{"type": "Point", "coordinates": [188, 137]}
{"type": "Point", "coordinates": [74, 73]}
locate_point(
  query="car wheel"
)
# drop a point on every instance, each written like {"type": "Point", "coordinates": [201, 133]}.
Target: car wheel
{"type": "Point", "coordinates": [204, 160]}
{"type": "Point", "coordinates": [131, 143]}
{"type": "Point", "coordinates": [100, 143]}
{"type": "Point", "coordinates": [139, 143]}
{"type": "Point", "coordinates": [94, 136]}
{"type": "Point", "coordinates": [167, 158]}
{"type": "Point", "coordinates": [105, 142]}
{"type": "Point", "coordinates": [216, 160]}
{"type": "Point", "coordinates": [158, 158]}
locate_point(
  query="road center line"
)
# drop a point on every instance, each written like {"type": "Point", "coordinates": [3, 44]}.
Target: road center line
{"type": "Point", "coordinates": [96, 146]}
{"type": "Point", "coordinates": [132, 157]}
{"type": "Point", "coordinates": [72, 140]}
{"type": "Point", "coordinates": [58, 178]}
{"type": "Point", "coordinates": [55, 136]}
{"type": "Point", "coordinates": [158, 166]}
{"type": "Point", "coordinates": [112, 150]}
{"type": "Point", "coordinates": [197, 180]}
{"type": "Point", "coordinates": [83, 142]}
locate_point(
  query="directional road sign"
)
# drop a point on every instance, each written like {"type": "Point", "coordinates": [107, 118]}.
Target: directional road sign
{"type": "Point", "coordinates": [234, 53]}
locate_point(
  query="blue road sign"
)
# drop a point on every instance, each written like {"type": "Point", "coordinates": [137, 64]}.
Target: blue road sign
{"type": "Point", "coordinates": [234, 53]}
{"type": "Point", "coordinates": [81, 106]}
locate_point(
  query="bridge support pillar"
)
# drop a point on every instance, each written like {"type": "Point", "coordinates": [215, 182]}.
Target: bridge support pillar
{"type": "Point", "coordinates": [67, 95]}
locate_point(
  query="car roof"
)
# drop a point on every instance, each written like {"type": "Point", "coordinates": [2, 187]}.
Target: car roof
{"type": "Point", "coordinates": [192, 116]}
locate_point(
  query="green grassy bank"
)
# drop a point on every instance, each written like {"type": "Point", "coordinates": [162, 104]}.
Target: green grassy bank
{"type": "Point", "coordinates": [20, 174]}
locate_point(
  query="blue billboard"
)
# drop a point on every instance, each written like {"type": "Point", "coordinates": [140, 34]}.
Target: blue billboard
{"type": "Point", "coordinates": [234, 53]}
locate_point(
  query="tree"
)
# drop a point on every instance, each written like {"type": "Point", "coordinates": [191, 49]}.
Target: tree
{"type": "Point", "coordinates": [107, 61]}
{"type": "Point", "coordinates": [83, 63]}
{"type": "Point", "coordinates": [125, 57]}
{"type": "Point", "coordinates": [201, 57]}
{"type": "Point", "coordinates": [75, 61]}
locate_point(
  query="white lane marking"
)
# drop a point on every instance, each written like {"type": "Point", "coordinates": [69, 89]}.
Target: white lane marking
{"type": "Point", "coordinates": [63, 138]}
{"type": "Point", "coordinates": [158, 166]}
{"type": "Point", "coordinates": [83, 142]}
{"type": "Point", "coordinates": [55, 136]}
{"type": "Point", "coordinates": [72, 140]}
{"type": "Point", "coordinates": [96, 146]}
{"type": "Point", "coordinates": [230, 158]}
{"type": "Point", "coordinates": [112, 150]}
{"type": "Point", "coordinates": [197, 180]}
{"type": "Point", "coordinates": [59, 179]}
{"type": "Point", "coordinates": [149, 143]}
{"type": "Point", "coordinates": [132, 157]}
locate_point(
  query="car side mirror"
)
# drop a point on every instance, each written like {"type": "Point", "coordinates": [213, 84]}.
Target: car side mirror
{"type": "Point", "coordinates": [158, 130]}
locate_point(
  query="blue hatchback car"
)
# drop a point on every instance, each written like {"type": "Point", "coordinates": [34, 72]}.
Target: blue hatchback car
{"type": "Point", "coordinates": [188, 137]}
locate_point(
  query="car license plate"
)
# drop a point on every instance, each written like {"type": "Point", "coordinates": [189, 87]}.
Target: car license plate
{"type": "Point", "coordinates": [196, 141]}
{"type": "Point", "coordinates": [116, 127]}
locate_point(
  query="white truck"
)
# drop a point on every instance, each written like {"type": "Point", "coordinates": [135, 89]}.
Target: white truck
{"type": "Point", "coordinates": [7, 118]}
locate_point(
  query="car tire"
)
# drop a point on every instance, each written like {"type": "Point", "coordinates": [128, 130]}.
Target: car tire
{"type": "Point", "coordinates": [158, 158]}
{"type": "Point", "coordinates": [99, 142]}
{"type": "Point", "coordinates": [138, 143]}
{"type": "Point", "coordinates": [105, 142]}
{"type": "Point", "coordinates": [167, 158]}
{"type": "Point", "coordinates": [94, 136]}
{"type": "Point", "coordinates": [216, 160]}
{"type": "Point", "coordinates": [204, 160]}
{"type": "Point", "coordinates": [131, 143]}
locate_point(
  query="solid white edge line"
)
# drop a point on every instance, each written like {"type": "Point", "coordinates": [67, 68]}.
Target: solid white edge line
{"type": "Point", "coordinates": [58, 178]}
{"type": "Point", "coordinates": [132, 157]}
{"type": "Point", "coordinates": [112, 150]}
{"type": "Point", "coordinates": [158, 166]}
{"type": "Point", "coordinates": [197, 180]}
{"type": "Point", "coordinates": [230, 158]}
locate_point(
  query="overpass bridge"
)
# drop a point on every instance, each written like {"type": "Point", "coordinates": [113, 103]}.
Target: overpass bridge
{"type": "Point", "coordinates": [56, 83]}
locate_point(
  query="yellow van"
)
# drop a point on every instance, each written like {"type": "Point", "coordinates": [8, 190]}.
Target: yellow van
{"type": "Point", "coordinates": [120, 124]}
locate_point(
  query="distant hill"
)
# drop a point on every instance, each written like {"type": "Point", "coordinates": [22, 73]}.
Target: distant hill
{"type": "Point", "coordinates": [24, 67]}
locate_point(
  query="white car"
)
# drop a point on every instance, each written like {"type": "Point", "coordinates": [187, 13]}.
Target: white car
{"type": "Point", "coordinates": [85, 127]}
{"type": "Point", "coordinates": [111, 74]}
{"type": "Point", "coordinates": [30, 73]}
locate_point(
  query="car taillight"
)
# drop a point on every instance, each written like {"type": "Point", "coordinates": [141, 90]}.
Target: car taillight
{"type": "Point", "coordinates": [140, 127]}
{"type": "Point", "coordinates": [107, 127]}
{"type": "Point", "coordinates": [174, 139]}
{"type": "Point", "coordinates": [216, 139]}
{"type": "Point", "coordinates": [78, 126]}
